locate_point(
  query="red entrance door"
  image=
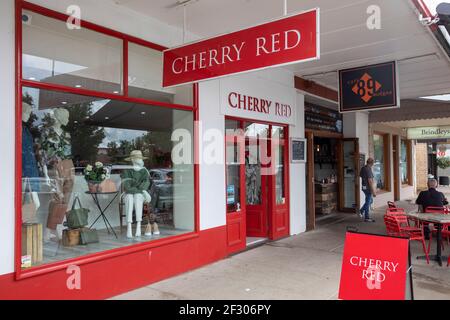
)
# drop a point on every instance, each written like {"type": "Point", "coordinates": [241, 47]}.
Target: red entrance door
{"type": "Point", "coordinates": [235, 190]}
{"type": "Point", "coordinates": [279, 205]}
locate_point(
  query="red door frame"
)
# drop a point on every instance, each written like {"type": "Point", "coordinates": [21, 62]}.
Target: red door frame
{"type": "Point", "coordinates": [275, 232]}
{"type": "Point", "coordinates": [20, 83]}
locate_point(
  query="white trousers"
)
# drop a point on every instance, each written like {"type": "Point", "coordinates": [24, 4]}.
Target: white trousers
{"type": "Point", "coordinates": [135, 201]}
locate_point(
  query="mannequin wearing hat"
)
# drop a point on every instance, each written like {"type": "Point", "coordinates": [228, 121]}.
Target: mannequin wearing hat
{"type": "Point", "coordinates": [29, 163]}
{"type": "Point", "coordinates": [136, 182]}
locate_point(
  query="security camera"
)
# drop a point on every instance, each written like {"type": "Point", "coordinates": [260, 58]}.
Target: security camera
{"type": "Point", "coordinates": [443, 11]}
{"type": "Point", "coordinates": [26, 19]}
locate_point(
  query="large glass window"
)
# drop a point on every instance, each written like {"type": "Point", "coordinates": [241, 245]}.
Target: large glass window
{"type": "Point", "coordinates": [379, 167]}
{"type": "Point", "coordinates": [78, 58]}
{"type": "Point", "coordinates": [145, 73]}
{"type": "Point", "coordinates": [234, 141]}
{"type": "Point", "coordinates": [405, 162]}
{"type": "Point", "coordinates": [101, 174]}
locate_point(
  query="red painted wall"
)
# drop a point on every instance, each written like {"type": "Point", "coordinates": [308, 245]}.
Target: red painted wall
{"type": "Point", "coordinates": [110, 277]}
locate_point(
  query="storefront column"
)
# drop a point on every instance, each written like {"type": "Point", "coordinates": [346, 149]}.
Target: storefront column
{"type": "Point", "coordinates": [356, 125]}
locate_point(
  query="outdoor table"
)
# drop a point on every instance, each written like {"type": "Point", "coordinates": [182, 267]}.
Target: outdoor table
{"type": "Point", "coordinates": [103, 210]}
{"type": "Point", "coordinates": [440, 220]}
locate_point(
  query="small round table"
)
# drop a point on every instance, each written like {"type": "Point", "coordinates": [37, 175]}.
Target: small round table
{"type": "Point", "coordinates": [103, 210]}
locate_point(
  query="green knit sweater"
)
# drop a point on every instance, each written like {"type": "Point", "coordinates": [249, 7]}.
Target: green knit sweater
{"type": "Point", "coordinates": [135, 181]}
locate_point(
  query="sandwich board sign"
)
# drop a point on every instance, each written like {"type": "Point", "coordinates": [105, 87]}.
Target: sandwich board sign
{"type": "Point", "coordinates": [376, 267]}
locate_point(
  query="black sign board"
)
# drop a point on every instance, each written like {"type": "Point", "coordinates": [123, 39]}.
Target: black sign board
{"type": "Point", "coordinates": [323, 119]}
{"type": "Point", "coordinates": [368, 88]}
{"type": "Point", "coordinates": [298, 147]}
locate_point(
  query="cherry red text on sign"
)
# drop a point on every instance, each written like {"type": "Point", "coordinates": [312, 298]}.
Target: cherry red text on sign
{"type": "Point", "coordinates": [374, 268]}
{"type": "Point", "coordinates": [258, 105]}
{"type": "Point", "coordinates": [288, 40]}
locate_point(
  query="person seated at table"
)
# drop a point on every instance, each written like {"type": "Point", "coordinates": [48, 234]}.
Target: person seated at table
{"type": "Point", "coordinates": [431, 198]}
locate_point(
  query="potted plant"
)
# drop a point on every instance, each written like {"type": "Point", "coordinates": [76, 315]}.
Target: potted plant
{"type": "Point", "coordinates": [95, 175]}
{"type": "Point", "coordinates": [443, 162]}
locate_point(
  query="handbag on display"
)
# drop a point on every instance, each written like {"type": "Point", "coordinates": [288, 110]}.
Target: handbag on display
{"type": "Point", "coordinates": [56, 212]}
{"type": "Point", "coordinates": [77, 218]}
{"type": "Point", "coordinates": [88, 236]}
{"type": "Point", "coordinates": [29, 209]}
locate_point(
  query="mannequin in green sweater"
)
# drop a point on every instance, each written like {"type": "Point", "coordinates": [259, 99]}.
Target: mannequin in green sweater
{"type": "Point", "coordinates": [136, 182]}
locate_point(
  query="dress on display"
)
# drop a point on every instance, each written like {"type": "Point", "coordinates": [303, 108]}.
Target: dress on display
{"type": "Point", "coordinates": [29, 163]}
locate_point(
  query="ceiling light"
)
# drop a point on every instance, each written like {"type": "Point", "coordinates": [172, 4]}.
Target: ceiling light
{"type": "Point", "coordinates": [441, 97]}
{"type": "Point", "coordinates": [32, 78]}
{"type": "Point", "coordinates": [143, 113]}
{"type": "Point", "coordinates": [106, 118]}
{"type": "Point", "coordinates": [64, 102]}
{"type": "Point", "coordinates": [78, 86]}
{"type": "Point", "coordinates": [116, 92]}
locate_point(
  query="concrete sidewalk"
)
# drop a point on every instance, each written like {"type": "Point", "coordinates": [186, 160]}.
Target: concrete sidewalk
{"type": "Point", "coordinates": [306, 266]}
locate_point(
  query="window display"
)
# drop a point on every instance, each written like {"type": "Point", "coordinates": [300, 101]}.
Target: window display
{"type": "Point", "coordinates": [379, 165]}
{"type": "Point", "coordinates": [404, 162]}
{"type": "Point", "coordinates": [91, 164]}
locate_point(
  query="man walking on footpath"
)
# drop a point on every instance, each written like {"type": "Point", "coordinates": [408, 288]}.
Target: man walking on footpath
{"type": "Point", "coordinates": [368, 188]}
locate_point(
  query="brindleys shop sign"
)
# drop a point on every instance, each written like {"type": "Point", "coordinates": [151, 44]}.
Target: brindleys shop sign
{"type": "Point", "coordinates": [291, 39]}
{"type": "Point", "coordinates": [429, 133]}
{"type": "Point", "coordinates": [254, 98]}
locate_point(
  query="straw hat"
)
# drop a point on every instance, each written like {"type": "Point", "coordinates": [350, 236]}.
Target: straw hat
{"type": "Point", "coordinates": [136, 155]}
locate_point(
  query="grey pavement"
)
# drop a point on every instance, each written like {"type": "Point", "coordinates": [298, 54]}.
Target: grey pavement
{"type": "Point", "coordinates": [303, 267]}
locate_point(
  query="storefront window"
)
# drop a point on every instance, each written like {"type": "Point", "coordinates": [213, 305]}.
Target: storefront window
{"type": "Point", "coordinates": [379, 157]}
{"type": "Point", "coordinates": [404, 162]}
{"type": "Point", "coordinates": [77, 58]}
{"type": "Point", "coordinates": [234, 140]}
{"type": "Point", "coordinates": [145, 78]}
{"type": "Point", "coordinates": [99, 174]}
{"type": "Point", "coordinates": [256, 157]}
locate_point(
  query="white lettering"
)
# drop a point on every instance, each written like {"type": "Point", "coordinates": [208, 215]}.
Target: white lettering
{"type": "Point", "coordinates": [297, 41]}
{"type": "Point", "coordinates": [260, 43]}
{"type": "Point", "coordinates": [173, 66]}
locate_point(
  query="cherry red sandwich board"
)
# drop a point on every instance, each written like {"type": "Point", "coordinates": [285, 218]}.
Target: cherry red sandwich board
{"type": "Point", "coordinates": [376, 267]}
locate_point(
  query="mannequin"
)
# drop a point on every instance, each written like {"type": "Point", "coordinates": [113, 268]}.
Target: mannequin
{"type": "Point", "coordinates": [57, 165]}
{"type": "Point", "coordinates": [29, 162]}
{"type": "Point", "coordinates": [136, 182]}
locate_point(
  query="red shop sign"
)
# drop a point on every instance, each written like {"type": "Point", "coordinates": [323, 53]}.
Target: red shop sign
{"type": "Point", "coordinates": [288, 40]}
{"type": "Point", "coordinates": [375, 267]}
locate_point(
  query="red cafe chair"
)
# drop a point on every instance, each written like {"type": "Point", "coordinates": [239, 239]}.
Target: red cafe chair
{"type": "Point", "coordinates": [397, 226]}
{"type": "Point", "coordinates": [445, 229]}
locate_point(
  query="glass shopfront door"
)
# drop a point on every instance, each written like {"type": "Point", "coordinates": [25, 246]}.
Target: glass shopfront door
{"type": "Point", "coordinates": [257, 186]}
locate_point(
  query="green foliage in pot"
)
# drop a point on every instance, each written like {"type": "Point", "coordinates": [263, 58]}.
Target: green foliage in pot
{"type": "Point", "coordinates": [443, 162]}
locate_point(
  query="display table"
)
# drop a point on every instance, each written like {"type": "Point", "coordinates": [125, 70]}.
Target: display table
{"type": "Point", "coordinates": [326, 196]}
{"type": "Point", "coordinates": [102, 210]}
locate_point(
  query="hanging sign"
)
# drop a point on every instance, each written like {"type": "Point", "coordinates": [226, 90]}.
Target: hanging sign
{"type": "Point", "coordinates": [291, 39]}
{"type": "Point", "coordinates": [369, 88]}
{"type": "Point", "coordinates": [249, 97]}
{"type": "Point", "coordinates": [375, 267]}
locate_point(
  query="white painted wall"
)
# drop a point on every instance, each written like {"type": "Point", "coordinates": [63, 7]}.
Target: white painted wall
{"type": "Point", "coordinates": [297, 175]}
{"type": "Point", "coordinates": [212, 176]}
{"type": "Point", "coordinates": [7, 137]}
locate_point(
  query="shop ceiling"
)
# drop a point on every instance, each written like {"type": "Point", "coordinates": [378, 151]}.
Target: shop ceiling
{"type": "Point", "coordinates": [346, 41]}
